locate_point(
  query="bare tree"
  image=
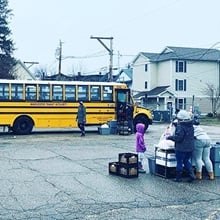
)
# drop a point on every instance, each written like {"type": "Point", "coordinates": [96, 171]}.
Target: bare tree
{"type": "Point", "coordinates": [42, 72]}
{"type": "Point", "coordinates": [213, 93]}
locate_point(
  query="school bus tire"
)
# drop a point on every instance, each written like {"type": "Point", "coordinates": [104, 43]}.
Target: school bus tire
{"type": "Point", "coordinates": [141, 119]}
{"type": "Point", "coordinates": [23, 125]}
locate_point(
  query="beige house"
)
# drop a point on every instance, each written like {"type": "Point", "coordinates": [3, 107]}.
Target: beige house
{"type": "Point", "coordinates": [176, 78]}
{"type": "Point", "coordinates": [22, 72]}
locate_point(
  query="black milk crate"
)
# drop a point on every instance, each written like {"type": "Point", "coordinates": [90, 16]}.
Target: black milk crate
{"type": "Point", "coordinates": [113, 168]}
{"type": "Point", "coordinates": [166, 172]}
{"type": "Point", "coordinates": [128, 159]}
{"type": "Point", "coordinates": [215, 153]}
{"type": "Point", "coordinates": [128, 171]}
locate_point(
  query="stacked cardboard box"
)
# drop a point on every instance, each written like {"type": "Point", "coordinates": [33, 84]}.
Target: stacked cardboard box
{"type": "Point", "coordinates": [127, 165]}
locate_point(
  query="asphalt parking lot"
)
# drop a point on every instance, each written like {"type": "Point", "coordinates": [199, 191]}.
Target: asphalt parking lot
{"type": "Point", "coordinates": [59, 175]}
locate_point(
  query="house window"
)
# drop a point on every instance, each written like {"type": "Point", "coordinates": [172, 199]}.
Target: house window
{"type": "Point", "coordinates": [180, 103]}
{"type": "Point", "coordinates": [181, 66]}
{"type": "Point", "coordinates": [180, 85]}
{"type": "Point", "coordinates": [145, 67]}
{"type": "Point", "coordinates": [145, 85]}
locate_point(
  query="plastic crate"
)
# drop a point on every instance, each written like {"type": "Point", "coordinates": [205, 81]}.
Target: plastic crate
{"type": "Point", "coordinates": [113, 168]}
{"type": "Point", "coordinates": [128, 158]}
{"type": "Point", "coordinates": [104, 131]}
{"type": "Point", "coordinates": [216, 167]}
{"type": "Point", "coordinates": [215, 153]}
{"type": "Point", "coordinates": [128, 171]}
{"type": "Point", "coordinates": [151, 164]}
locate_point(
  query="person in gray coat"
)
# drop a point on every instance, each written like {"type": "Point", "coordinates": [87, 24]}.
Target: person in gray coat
{"type": "Point", "coordinates": [81, 118]}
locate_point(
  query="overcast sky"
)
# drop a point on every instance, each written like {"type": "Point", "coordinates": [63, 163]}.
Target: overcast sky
{"type": "Point", "coordinates": [136, 26]}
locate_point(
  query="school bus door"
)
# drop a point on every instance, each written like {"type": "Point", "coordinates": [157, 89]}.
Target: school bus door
{"type": "Point", "coordinates": [122, 99]}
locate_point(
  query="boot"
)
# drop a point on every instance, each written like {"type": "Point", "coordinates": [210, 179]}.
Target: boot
{"type": "Point", "coordinates": [192, 176]}
{"type": "Point", "coordinates": [211, 176]}
{"type": "Point", "coordinates": [198, 175]}
{"type": "Point", "coordinates": [178, 176]}
{"type": "Point", "coordinates": [140, 168]}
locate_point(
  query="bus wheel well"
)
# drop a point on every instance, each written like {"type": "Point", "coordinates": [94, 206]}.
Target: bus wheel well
{"type": "Point", "coordinates": [141, 119]}
{"type": "Point", "coordinates": [23, 125]}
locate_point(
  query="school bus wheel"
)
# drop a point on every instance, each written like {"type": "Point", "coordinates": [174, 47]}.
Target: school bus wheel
{"type": "Point", "coordinates": [23, 125]}
{"type": "Point", "coordinates": [141, 119]}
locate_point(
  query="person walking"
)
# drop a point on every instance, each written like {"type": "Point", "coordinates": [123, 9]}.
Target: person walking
{"type": "Point", "coordinates": [201, 153]}
{"type": "Point", "coordinates": [140, 146]}
{"type": "Point", "coordinates": [184, 145]}
{"type": "Point", "coordinates": [81, 118]}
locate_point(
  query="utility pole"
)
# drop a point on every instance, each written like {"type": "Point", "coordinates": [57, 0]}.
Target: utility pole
{"type": "Point", "coordinates": [60, 60]}
{"type": "Point", "coordinates": [110, 50]}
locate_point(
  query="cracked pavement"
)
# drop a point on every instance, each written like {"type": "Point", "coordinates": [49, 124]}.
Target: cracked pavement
{"type": "Point", "coordinates": [63, 176]}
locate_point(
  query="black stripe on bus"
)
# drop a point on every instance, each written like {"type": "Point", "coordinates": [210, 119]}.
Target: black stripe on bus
{"type": "Point", "coordinates": [57, 107]}
{"type": "Point", "coordinates": [54, 113]}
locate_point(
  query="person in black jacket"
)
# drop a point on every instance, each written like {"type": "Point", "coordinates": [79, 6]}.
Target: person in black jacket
{"type": "Point", "coordinates": [184, 144]}
{"type": "Point", "coordinates": [129, 109]}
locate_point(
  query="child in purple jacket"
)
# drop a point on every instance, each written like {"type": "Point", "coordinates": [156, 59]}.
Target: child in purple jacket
{"type": "Point", "coordinates": [140, 146]}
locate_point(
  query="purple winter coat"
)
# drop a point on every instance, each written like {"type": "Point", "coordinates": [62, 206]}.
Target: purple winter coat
{"type": "Point", "coordinates": [140, 144]}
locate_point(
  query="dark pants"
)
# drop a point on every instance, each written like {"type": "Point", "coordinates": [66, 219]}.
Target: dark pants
{"type": "Point", "coordinates": [81, 127]}
{"type": "Point", "coordinates": [183, 158]}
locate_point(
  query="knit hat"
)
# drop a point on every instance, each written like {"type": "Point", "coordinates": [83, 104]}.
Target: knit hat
{"type": "Point", "coordinates": [183, 115]}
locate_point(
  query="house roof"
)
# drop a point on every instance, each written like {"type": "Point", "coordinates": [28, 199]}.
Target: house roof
{"type": "Point", "coordinates": [18, 63]}
{"type": "Point", "coordinates": [153, 93]}
{"type": "Point", "coordinates": [91, 78]}
{"type": "Point", "coordinates": [184, 53]}
{"type": "Point", "coordinates": [128, 72]}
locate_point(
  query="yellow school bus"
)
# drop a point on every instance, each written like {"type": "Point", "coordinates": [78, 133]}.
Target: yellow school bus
{"type": "Point", "coordinates": [53, 104]}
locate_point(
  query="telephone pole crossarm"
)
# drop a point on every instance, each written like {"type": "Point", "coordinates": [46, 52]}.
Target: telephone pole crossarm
{"type": "Point", "coordinates": [110, 50]}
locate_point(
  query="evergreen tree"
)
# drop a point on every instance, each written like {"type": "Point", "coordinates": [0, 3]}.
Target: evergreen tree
{"type": "Point", "coordinates": [6, 44]}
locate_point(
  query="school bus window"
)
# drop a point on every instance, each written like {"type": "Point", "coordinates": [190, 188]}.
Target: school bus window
{"type": "Point", "coordinates": [95, 93]}
{"type": "Point", "coordinates": [16, 92]}
{"type": "Point", "coordinates": [57, 92]}
{"type": "Point", "coordinates": [4, 91]}
{"type": "Point", "coordinates": [44, 92]}
{"type": "Point", "coordinates": [122, 97]}
{"type": "Point", "coordinates": [30, 92]}
{"type": "Point", "coordinates": [107, 93]}
{"type": "Point", "coordinates": [70, 91]}
{"type": "Point", "coordinates": [83, 93]}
